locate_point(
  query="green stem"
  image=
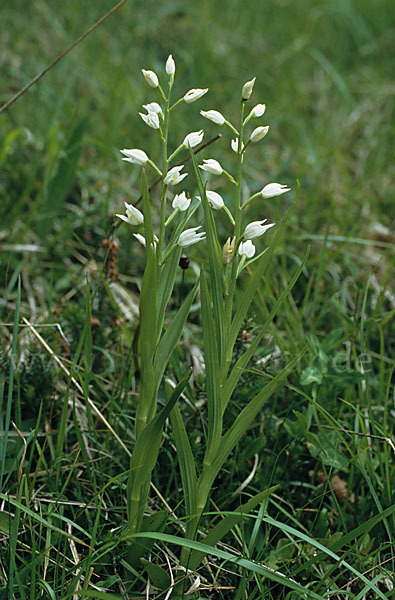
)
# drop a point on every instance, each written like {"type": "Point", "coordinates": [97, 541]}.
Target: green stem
{"type": "Point", "coordinates": [165, 164]}
{"type": "Point", "coordinates": [237, 228]}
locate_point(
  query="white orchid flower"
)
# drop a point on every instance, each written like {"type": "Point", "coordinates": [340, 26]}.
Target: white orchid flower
{"type": "Point", "coordinates": [213, 115]}
{"type": "Point", "coordinates": [211, 166]}
{"type": "Point", "coordinates": [174, 176]}
{"type": "Point", "coordinates": [170, 66]}
{"type": "Point", "coordinates": [154, 107]}
{"type": "Point", "coordinates": [247, 89]}
{"type": "Point", "coordinates": [258, 110]}
{"type": "Point", "coordinates": [133, 215]}
{"type": "Point", "coordinates": [247, 249]}
{"type": "Point", "coordinates": [189, 237]}
{"type": "Point", "coordinates": [151, 119]}
{"type": "Point", "coordinates": [135, 156]}
{"type": "Point", "coordinates": [194, 94]}
{"type": "Point", "coordinates": [151, 78]}
{"type": "Point", "coordinates": [256, 229]}
{"type": "Point", "coordinates": [259, 133]}
{"type": "Point", "coordinates": [181, 201]}
{"type": "Point", "coordinates": [235, 145]}
{"type": "Point", "coordinates": [215, 200]}
{"type": "Point", "coordinates": [274, 189]}
{"type": "Point", "coordinates": [193, 139]}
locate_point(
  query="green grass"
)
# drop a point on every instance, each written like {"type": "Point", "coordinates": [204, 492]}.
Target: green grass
{"type": "Point", "coordinates": [325, 71]}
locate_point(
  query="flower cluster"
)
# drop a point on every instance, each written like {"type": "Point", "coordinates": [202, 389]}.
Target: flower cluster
{"type": "Point", "coordinates": [157, 117]}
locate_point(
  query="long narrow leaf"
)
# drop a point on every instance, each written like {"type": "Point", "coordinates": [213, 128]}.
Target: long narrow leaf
{"type": "Point", "coordinates": [186, 461]}
{"type": "Point", "coordinates": [144, 458]}
{"type": "Point", "coordinates": [46, 523]}
{"type": "Point", "coordinates": [169, 340]}
{"type": "Point", "coordinates": [166, 284]}
{"type": "Point", "coordinates": [327, 551]}
{"type": "Point", "coordinates": [244, 359]}
{"type": "Point", "coordinates": [217, 533]}
{"type": "Point", "coordinates": [250, 290]}
{"type": "Point", "coordinates": [215, 264]}
{"type": "Point", "coordinates": [237, 560]}
{"type": "Point", "coordinates": [147, 341]}
{"type": "Point", "coordinates": [241, 424]}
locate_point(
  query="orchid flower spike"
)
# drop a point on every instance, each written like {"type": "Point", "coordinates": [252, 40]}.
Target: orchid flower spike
{"type": "Point", "coordinates": [194, 94]}
{"type": "Point", "coordinates": [189, 237]}
{"type": "Point", "coordinates": [174, 176]}
{"type": "Point", "coordinates": [256, 229]}
{"type": "Point", "coordinates": [274, 189]}
{"type": "Point", "coordinates": [135, 156]}
{"type": "Point", "coordinates": [133, 215]}
{"type": "Point", "coordinates": [151, 78]}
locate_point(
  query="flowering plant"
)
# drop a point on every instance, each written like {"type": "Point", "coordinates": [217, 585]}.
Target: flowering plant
{"type": "Point", "coordinates": [221, 318]}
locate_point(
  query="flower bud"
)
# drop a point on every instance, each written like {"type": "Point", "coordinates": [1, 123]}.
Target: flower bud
{"type": "Point", "coordinates": [194, 95]}
{"type": "Point", "coordinates": [258, 110]}
{"type": "Point", "coordinates": [213, 115]}
{"type": "Point", "coordinates": [259, 133]}
{"type": "Point", "coordinates": [228, 251]}
{"type": "Point", "coordinates": [135, 156]}
{"type": "Point", "coordinates": [193, 139]}
{"type": "Point", "coordinates": [215, 200]}
{"type": "Point", "coordinates": [170, 66]}
{"type": "Point", "coordinates": [274, 189]}
{"type": "Point", "coordinates": [211, 166]}
{"type": "Point", "coordinates": [247, 89]}
{"type": "Point", "coordinates": [256, 229]}
{"type": "Point", "coordinates": [151, 78]}
{"type": "Point", "coordinates": [189, 237]}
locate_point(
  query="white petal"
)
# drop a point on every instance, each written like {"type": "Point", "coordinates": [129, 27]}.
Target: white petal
{"type": "Point", "coordinates": [151, 78]}
{"type": "Point", "coordinates": [135, 156]}
{"type": "Point", "coordinates": [259, 133]}
{"type": "Point", "coordinates": [214, 116]}
{"type": "Point", "coordinates": [274, 189]}
{"type": "Point", "coordinates": [247, 89]}
{"type": "Point", "coordinates": [194, 94]}
{"type": "Point", "coordinates": [215, 200]}
{"type": "Point", "coordinates": [170, 66]}
{"type": "Point", "coordinates": [151, 119]}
